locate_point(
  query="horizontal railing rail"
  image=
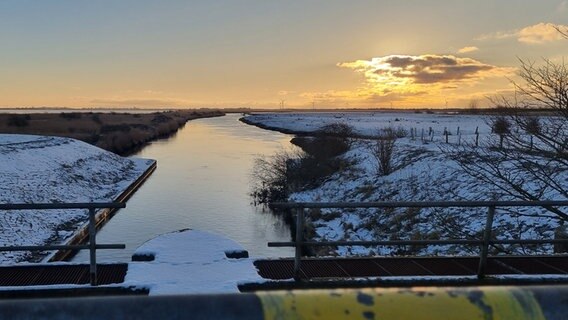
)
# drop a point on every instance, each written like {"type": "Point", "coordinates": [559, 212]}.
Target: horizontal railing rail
{"type": "Point", "coordinates": [420, 204]}
{"type": "Point", "coordinates": [484, 243]}
{"type": "Point", "coordinates": [92, 246]}
{"type": "Point", "coordinates": [79, 205]}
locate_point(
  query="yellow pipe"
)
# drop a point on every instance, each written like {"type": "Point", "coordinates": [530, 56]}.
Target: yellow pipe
{"type": "Point", "coordinates": [402, 303]}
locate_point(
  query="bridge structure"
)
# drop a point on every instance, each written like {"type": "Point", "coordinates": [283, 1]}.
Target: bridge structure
{"type": "Point", "coordinates": [531, 287]}
{"type": "Point", "coordinates": [327, 272]}
{"type": "Point", "coordinates": [317, 272]}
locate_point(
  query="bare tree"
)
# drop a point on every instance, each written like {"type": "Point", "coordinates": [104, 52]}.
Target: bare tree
{"type": "Point", "coordinates": [533, 163]}
{"type": "Point", "coordinates": [563, 31]}
{"type": "Point", "coordinates": [473, 105]}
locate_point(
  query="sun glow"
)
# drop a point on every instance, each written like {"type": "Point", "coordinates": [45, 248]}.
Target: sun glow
{"type": "Point", "coordinates": [419, 80]}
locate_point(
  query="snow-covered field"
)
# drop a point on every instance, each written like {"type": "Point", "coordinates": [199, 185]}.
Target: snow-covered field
{"type": "Point", "coordinates": [40, 169]}
{"type": "Point", "coordinates": [423, 172]}
{"type": "Point", "coordinates": [368, 123]}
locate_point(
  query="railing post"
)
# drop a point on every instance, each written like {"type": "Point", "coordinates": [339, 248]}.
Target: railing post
{"type": "Point", "coordinates": [485, 246]}
{"type": "Point", "coordinates": [92, 247]}
{"type": "Point", "coordinates": [299, 240]}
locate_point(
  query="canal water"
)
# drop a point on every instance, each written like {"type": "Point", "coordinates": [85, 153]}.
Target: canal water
{"type": "Point", "coordinates": [202, 182]}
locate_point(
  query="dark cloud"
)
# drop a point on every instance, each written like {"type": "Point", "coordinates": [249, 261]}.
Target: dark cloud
{"type": "Point", "coordinates": [431, 68]}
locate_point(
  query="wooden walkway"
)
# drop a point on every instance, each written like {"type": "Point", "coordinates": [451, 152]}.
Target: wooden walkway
{"type": "Point", "coordinates": [54, 274]}
{"type": "Point", "coordinates": [385, 267]}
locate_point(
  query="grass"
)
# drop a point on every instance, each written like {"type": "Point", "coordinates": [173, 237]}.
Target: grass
{"type": "Point", "coordinates": [121, 133]}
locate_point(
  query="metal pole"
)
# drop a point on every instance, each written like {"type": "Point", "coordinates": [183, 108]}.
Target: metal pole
{"type": "Point", "coordinates": [92, 247]}
{"type": "Point", "coordinates": [298, 244]}
{"type": "Point", "coordinates": [486, 238]}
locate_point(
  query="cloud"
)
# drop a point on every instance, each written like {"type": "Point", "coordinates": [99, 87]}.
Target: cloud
{"type": "Point", "coordinates": [404, 70]}
{"type": "Point", "coordinates": [540, 33]}
{"type": "Point", "coordinates": [394, 96]}
{"type": "Point", "coordinates": [468, 49]}
{"type": "Point", "coordinates": [499, 35]}
{"type": "Point", "coordinates": [536, 34]}
{"type": "Point", "coordinates": [150, 91]}
{"type": "Point", "coordinates": [413, 80]}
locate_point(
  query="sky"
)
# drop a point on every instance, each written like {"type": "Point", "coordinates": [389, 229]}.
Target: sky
{"type": "Point", "coordinates": [269, 54]}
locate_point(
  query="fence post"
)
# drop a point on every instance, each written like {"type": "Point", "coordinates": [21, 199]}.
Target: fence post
{"type": "Point", "coordinates": [298, 244]}
{"type": "Point", "coordinates": [92, 247]}
{"type": "Point", "coordinates": [485, 246]}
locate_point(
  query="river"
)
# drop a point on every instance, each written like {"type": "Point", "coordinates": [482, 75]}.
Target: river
{"type": "Point", "coordinates": [202, 182]}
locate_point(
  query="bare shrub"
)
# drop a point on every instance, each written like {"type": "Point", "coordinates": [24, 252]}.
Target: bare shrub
{"type": "Point", "coordinates": [473, 106]}
{"type": "Point", "coordinates": [501, 126]}
{"type": "Point", "coordinates": [329, 141]}
{"type": "Point", "coordinates": [107, 128]}
{"type": "Point", "coordinates": [273, 177]}
{"type": "Point", "coordinates": [70, 115]}
{"type": "Point", "coordinates": [161, 117]}
{"type": "Point", "coordinates": [96, 118]}
{"type": "Point", "coordinates": [383, 149]}
{"type": "Point", "coordinates": [338, 129]}
{"type": "Point", "coordinates": [18, 120]}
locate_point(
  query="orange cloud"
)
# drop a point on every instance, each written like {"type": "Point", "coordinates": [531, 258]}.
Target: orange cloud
{"type": "Point", "coordinates": [413, 80]}
{"type": "Point", "coordinates": [536, 34]}
{"type": "Point", "coordinates": [403, 70]}
{"type": "Point", "coordinates": [468, 49]}
{"type": "Point", "coordinates": [540, 33]}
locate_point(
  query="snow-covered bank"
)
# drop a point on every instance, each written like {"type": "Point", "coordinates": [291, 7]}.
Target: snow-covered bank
{"type": "Point", "coordinates": [422, 172]}
{"type": "Point", "coordinates": [42, 169]}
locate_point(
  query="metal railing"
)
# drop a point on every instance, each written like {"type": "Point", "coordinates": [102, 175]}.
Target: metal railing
{"type": "Point", "coordinates": [484, 243]}
{"type": "Point", "coordinates": [92, 246]}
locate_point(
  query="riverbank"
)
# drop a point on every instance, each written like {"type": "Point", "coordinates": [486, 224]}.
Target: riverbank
{"type": "Point", "coordinates": [422, 170]}
{"type": "Point", "coordinates": [42, 169]}
{"type": "Point", "coordinates": [122, 133]}
{"type": "Point", "coordinates": [81, 235]}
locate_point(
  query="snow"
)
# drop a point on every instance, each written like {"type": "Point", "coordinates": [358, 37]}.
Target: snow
{"type": "Point", "coordinates": [42, 169]}
{"type": "Point", "coordinates": [368, 123]}
{"type": "Point", "coordinates": [190, 261]}
{"type": "Point", "coordinates": [423, 173]}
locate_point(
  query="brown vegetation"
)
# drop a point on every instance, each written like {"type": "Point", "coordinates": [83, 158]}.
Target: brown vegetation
{"type": "Point", "coordinates": [275, 177]}
{"type": "Point", "coordinates": [121, 133]}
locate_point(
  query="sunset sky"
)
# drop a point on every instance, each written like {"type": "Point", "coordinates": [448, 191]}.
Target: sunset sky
{"type": "Point", "coordinates": [264, 53]}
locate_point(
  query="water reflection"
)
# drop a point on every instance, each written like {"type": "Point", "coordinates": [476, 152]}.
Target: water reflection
{"type": "Point", "coordinates": [202, 182]}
